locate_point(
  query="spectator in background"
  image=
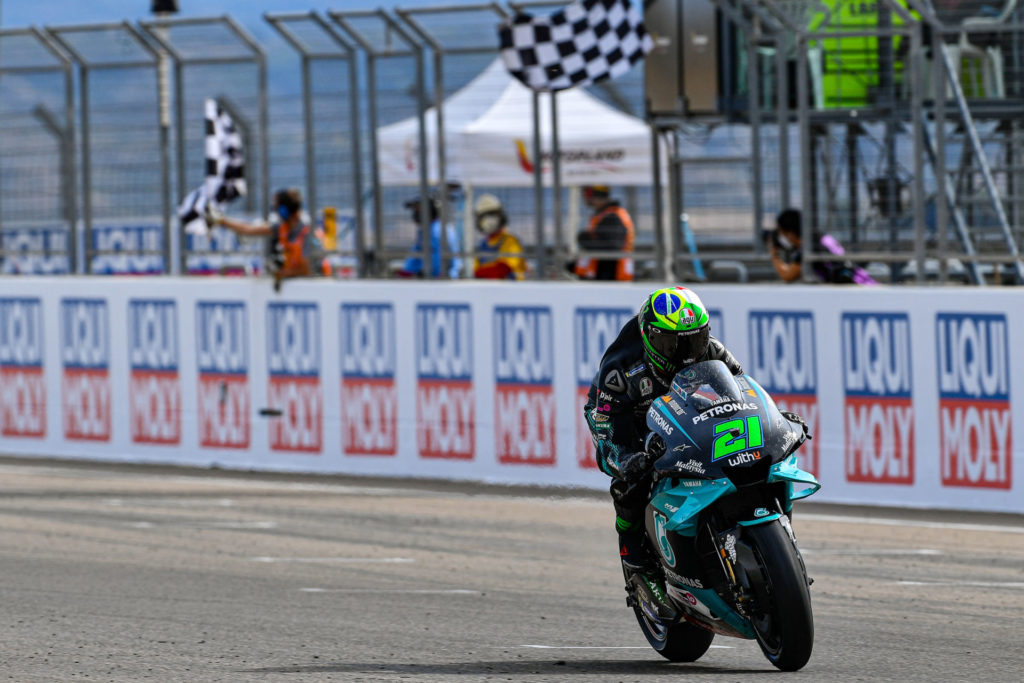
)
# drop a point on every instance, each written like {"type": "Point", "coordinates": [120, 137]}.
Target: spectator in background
{"type": "Point", "coordinates": [786, 250]}
{"type": "Point", "coordinates": [298, 249]}
{"type": "Point", "coordinates": [414, 264]}
{"type": "Point", "coordinates": [500, 253]}
{"type": "Point", "coordinates": [610, 229]}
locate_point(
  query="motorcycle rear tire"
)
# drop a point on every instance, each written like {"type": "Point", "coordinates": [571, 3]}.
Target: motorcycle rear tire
{"type": "Point", "coordinates": [682, 642]}
{"type": "Point", "coordinates": [783, 623]}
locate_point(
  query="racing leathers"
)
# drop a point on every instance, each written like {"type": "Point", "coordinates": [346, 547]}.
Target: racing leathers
{"type": "Point", "coordinates": [616, 412]}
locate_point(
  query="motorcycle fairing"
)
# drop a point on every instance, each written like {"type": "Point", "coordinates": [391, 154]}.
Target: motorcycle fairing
{"type": "Point", "coordinates": [787, 471]}
{"type": "Point", "coordinates": [681, 501]}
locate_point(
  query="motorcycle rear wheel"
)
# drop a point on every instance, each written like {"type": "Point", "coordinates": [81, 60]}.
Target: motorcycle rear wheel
{"type": "Point", "coordinates": [783, 621]}
{"type": "Point", "coordinates": [682, 642]}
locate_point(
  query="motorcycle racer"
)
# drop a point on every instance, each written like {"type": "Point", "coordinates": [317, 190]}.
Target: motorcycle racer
{"type": "Point", "coordinates": [671, 331]}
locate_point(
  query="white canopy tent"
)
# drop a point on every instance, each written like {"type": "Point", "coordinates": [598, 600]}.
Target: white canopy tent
{"type": "Point", "coordinates": [488, 131]}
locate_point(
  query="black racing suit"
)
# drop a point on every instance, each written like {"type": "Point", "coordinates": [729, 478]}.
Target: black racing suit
{"type": "Point", "coordinates": [616, 411]}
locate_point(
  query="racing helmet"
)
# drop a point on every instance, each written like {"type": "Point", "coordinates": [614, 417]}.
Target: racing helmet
{"type": "Point", "coordinates": [675, 329]}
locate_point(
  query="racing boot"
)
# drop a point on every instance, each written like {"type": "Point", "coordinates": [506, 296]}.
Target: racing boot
{"type": "Point", "coordinates": [642, 570]}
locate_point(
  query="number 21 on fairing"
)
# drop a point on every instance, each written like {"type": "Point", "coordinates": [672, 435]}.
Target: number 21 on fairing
{"type": "Point", "coordinates": [734, 436]}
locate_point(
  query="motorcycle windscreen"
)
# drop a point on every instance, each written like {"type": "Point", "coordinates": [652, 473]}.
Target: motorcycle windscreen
{"type": "Point", "coordinates": [711, 419]}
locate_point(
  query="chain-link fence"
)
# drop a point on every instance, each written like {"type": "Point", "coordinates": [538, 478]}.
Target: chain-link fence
{"type": "Point", "coordinates": [38, 207]}
{"type": "Point", "coordinates": [846, 126]}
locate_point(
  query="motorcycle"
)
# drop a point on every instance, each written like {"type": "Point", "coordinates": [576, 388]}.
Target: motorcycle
{"type": "Point", "coordinates": [724, 481]}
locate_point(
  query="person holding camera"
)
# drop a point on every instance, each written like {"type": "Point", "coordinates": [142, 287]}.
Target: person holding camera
{"type": "Point", "coordinates": [785, 247]}
{"type": "Point", "coordinates": [297, 249]}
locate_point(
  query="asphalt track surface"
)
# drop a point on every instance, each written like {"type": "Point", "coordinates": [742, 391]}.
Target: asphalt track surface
{"type": "Point", "coordinates": [120, 573]}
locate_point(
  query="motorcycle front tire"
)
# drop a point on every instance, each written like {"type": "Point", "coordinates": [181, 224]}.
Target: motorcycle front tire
{"type": "Point", "coordinates": [783, 620]}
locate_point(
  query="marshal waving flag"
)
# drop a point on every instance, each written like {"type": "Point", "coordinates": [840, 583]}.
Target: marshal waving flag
{"type": "Point", "coordinates": [586, 42]}
{"type": "Point", "coordinates": [225, 171]}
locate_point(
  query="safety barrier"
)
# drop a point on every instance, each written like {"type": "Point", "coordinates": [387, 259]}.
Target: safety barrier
{"type": "Point", "coordinates": [908, 391]}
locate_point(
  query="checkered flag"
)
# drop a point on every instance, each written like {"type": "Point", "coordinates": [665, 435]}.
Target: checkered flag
{"type": "Point", "coordinates": [225, 172]}
{"type": "Point", "coordinates": [588, 41]}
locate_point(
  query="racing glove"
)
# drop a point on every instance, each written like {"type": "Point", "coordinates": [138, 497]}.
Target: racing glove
{"type": "Point", "coordinates": [632, 467]}
{"type": "Point", "coordinates": [796, 419]}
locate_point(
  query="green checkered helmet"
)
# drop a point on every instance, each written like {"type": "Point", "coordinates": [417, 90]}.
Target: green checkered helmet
{"type": "Point", "coordinates": [675, 328]}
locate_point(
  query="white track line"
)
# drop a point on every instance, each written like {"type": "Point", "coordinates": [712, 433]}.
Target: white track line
{"type": "Point", "coordinates": [335, 560]}
{"type": "Point", "coordinates": [885, 521]}
{"type": "Point", "coordinates": [973, 584]}
{"type": "Point", "coordinates": [605, 647]}
{"type": "Point", "coordinates": [204, 525]}
{"type": "Point", "coordinates": [870, 552]}
{"type": "Point", "coordinates": [402, 591]}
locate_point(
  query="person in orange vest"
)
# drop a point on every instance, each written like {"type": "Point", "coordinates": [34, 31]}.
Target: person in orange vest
{"type": "Point", "coordinates": [610, 229]}
{"type": "Point", "coordinates": [298, 249]}
{"type": "Point", "coordinates": [499, 252]}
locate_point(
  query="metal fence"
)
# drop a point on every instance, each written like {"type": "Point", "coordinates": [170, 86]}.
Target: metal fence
{"type": "Point", "coordinates": [101, 137]}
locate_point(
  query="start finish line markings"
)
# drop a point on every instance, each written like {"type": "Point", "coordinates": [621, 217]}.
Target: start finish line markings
{"type": "Point", "coordinates": [335, 560]}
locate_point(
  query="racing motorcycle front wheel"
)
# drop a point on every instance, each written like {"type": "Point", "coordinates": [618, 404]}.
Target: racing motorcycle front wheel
{"type": "Point", "coordinates": [781, 617]}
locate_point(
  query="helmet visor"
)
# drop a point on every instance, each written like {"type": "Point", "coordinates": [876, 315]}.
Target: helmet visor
{"type": "Point", "coordinates": [679, 348]}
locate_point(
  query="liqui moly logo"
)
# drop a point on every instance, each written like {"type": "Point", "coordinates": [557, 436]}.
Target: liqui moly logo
{"type": "Point", "coordinates": [975, 434]}
{"type": "Point", "coordinates": [222, 358]}
{"type": "Point", "coordinates": [22, 389]}
{"type": "Point", "coordinates": [879, 409]}
{"type": "Point", "coordinates": [154, 392]}
{"type": "Point", "coordinates": [369, 397]}
{"type": "Point", "coordinates": [594, 329]}
{"type": "Point", "coordinates": [293, 360]}
{"type": "Point", "coordinates": [524, 369]}
{"type": "Point", "coordinates": [444, 385]}
{"type": "Point", "coordinates": [782, 360]}
{"type": "Point", "coordinates": [85, 357]}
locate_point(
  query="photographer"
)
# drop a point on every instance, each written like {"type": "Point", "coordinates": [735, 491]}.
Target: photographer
{"type": "Point", "coordinates": [785, 247]}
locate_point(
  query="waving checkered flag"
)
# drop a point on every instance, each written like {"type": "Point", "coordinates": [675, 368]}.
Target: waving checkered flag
{"type": "Point", "coordinates": [588, 41]}
{"type": "Point", "coordinates": [225, 171]}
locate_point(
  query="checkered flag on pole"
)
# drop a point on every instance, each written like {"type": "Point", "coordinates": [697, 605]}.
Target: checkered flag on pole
{"type": "Point", "coordinates": [225, 171]}
{"type": "Point", "coordinates": [588, 41]}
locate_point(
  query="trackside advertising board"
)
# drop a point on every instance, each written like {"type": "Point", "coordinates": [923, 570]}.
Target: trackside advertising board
{"type": "Point", "coordinates": [912, 394]}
